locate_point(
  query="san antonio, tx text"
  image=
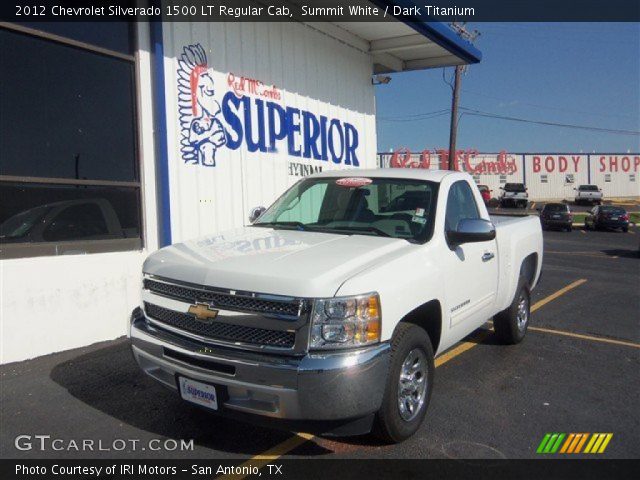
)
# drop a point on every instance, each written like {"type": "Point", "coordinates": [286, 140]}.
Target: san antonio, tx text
{"type": "Point", "coordinates": [141, 469]}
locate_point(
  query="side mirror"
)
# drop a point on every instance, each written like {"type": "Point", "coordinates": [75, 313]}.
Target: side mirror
{"type": "Point", "coordinates": [539, 209]}
{"type": "Point", "coordinates": [255, 213]}
{"type": "Point", "coordinates": [471, 230]}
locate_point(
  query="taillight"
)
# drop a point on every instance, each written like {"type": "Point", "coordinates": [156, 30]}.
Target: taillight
{"type": "Point", "coordinates": [625, 217]}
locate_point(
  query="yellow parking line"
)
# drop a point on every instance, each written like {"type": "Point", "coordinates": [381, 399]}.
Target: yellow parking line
{"type": "Point", "coordinates": [559, 293]}
{"type": "Point", "coordinates": [463, 347]}
{"type": "Point", "coordinates": [593, 338]}
{"type": "Point", "coordinates": [298, 439]}
{"type": "Point", "coordinates": [270, 455]}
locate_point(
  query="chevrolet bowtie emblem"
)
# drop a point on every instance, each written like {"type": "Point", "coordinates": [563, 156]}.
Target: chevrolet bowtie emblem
{"type": "Point", "coordinates": [203, 312]}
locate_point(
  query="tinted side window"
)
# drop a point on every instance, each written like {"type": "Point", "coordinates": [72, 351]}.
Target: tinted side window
{"type": "Point", "coordinates": [66, 112]}
{"type": "Point", "coordinates": [460, 204]}
{"type": "Point", "coordinates": [75, 222]}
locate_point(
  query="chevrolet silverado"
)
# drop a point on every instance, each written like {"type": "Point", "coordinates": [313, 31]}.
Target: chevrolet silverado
{"type": "Point", "coordinates": [329, 308]}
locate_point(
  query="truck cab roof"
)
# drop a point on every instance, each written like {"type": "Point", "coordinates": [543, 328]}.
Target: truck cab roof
{"type": "Point", "coordinates": [409, 173]}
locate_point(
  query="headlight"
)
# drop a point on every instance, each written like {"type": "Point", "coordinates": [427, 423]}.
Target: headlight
{"type": "Point", "coordinates": [345, 322]}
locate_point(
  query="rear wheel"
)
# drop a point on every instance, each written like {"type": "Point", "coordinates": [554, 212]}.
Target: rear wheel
{"type": "Point", "coordinates": [511, 324]}
{"type": "Point", "coordinates": [409, 384]}
{"type": "Point", "coordinates": [625, 229]}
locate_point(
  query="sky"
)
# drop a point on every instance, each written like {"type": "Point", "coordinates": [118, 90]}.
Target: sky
{"type": "Point", "coordinates": [585, 74]}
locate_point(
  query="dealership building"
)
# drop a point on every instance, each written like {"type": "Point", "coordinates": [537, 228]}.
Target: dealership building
{"type": "Point", "coordinates": [548, 176]}
{"type": "Point", "coordinates": [118, 139]}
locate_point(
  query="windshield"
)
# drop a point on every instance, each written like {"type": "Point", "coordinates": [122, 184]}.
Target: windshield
{"type": "Point", "coordinates": [19, 225]}
{"type": "Point", "coordinates": [588, 188]}
{"type": "Point", "coordinates": [514, 187]}
{"type": "Point", "coordinates": [386, 207]}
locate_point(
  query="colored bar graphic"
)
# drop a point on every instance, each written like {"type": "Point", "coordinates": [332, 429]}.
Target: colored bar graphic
{"type": "Point", "coordinates": [556, 446]}
{"type": "Point", "coordinates": [582, 440]}
{"type": "Point", "coordinates": [550, 443]}
{"type": "Point", "coordinates": [543, 443]}
{"type": "Point", "coordinates": [605, 443]}
{"type": "Point", "coordinates": [567, 443]}
{"type": "Point", "coordinates": [573, 443]}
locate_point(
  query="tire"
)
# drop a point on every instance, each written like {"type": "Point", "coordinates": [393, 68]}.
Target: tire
{"type": "Point", "coordinates": [509, 326]}
{"type": "Point", "coordinates": [625, 229]}
{"type": "Point", "coordinates": [586, 226]}
{"type": "Point", "coordinates": [569, 228]}
{"type": "Point", "coordinates": [409, 341]}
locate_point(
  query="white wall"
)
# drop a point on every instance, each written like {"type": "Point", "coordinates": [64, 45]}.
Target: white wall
{"type": "Point", "coordinates": [49, 304]}
{"type": "Point", "coordinates": [310, 70]}
{"type": "Point", "coordinates": [56, 303]}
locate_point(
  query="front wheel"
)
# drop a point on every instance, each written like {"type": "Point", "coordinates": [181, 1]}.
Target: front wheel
{"type": "Point", "coordinates": [409, 384]}
{"type": "Point", "coordinates": [511, 324]}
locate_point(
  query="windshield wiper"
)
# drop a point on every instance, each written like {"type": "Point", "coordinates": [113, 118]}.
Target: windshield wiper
{"type": "Point", "coordinates": [293, 225]}
{"type": "Point", "coordinates": [377, 231]}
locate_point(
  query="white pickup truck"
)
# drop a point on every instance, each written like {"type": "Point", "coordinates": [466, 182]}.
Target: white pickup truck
{"type": "Point", "coordinates": [330, 308]}
{"type": "Point", "coordinates": [588, 194]}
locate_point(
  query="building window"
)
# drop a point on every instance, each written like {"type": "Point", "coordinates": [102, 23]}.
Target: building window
{"type": "Point", "coordinates": [569, 178]}
{"type": "Point", "coordinates": [543, 179]}
{"type": "Point", "coordinates": [632, 177]}
{"type": "Point", "coordinates": [503, 179]}
{"type": "Point", "coordinates": [607, 177]}
{"type": "Point", "coordinates": [69, 172]}
{"type": "Point", "coordinates": [476, 178]}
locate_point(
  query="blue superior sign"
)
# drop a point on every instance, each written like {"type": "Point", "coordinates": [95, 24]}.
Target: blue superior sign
{"type": "Point", "coordinates": [322, 138]}
{"type": "Point", "coordinates": [252, 118]}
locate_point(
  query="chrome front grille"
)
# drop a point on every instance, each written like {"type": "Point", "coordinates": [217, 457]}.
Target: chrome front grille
{"type": "Point", "coordinates": [219, 331]}
{"type": "Point", "coordinates": [239, 303]}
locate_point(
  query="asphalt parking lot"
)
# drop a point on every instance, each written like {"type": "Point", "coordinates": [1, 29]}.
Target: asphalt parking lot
{"type": "Point", "coordinates": [577, 371]}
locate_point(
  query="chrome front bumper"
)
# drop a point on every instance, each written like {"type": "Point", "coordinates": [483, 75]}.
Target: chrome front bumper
{"type": "Point", "coordinates": [316, 386]}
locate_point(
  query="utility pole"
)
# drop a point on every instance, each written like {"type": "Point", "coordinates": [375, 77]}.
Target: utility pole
{"type": "Point", "coordinates": [453, 131]}
{"type": "Point", "coordinates": [460, 29]}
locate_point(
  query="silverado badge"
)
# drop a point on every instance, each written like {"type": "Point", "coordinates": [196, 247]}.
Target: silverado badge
{"type": "Point", "coordinates": [203, 312]}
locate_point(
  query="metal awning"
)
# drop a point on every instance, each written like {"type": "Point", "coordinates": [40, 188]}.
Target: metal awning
{"type": "Point", "coordinates": [397, 46]}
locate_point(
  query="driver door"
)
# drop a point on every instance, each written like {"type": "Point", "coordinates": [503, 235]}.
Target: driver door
{"type": "Point", "coordinates": [471, 276]}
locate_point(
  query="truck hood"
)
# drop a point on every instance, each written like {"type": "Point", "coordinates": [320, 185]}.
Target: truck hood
{"type": "Point", "coordinates": [280, 262]}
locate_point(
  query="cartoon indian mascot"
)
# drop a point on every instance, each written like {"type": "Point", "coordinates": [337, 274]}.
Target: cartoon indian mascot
{"type": "Point", "coordinates": [201, 130]}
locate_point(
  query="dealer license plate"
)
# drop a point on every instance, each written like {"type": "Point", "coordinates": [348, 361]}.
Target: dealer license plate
{"type": "Point", "coordinates": [614, 218]}
{"type": "Point", "coordinates": [198, 393]}
{"type": "Point", "coordinates": [556, 216]}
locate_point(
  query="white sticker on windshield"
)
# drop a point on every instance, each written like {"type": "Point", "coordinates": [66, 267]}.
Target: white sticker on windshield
{"type": "Point", "coordinates": [353, 181]}
{"type": "Point", "coordinates": [420, 220]}
{"type": "Point", "coordinates": [419, 212]}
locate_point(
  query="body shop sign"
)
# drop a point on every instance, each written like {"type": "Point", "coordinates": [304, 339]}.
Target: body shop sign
{"type": "Point", "coordinates": [252, 115]}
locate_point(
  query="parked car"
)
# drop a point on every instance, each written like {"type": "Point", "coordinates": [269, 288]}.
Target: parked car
{"type": "Point", "coordinates": [606, 216]}
{"type": "Point", "coordinates": [331, 306]}
{"type": "Point", "coordinates": [556, 215]}
{"type": "Point", "coordinates": [514, 195]}
{"type": "Point", "coordinates": [485, 191]}
{"type": "Point", "coordinates": [588, 194]}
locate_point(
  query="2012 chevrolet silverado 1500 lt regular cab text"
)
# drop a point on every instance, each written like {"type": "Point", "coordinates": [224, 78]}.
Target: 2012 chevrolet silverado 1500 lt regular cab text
{"type": "Point", "coordinates": [329, 309]}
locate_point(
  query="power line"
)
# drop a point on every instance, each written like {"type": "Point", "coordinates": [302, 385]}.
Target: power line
{"type": "Point", "coordinates": [480, 113]}
{"type": "Point", "coordinates": [420, 117]}
{"type": "Point", "coordinates": [549, 107]}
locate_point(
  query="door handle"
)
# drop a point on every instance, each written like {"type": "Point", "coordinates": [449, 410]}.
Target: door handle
{"type": "Point", "coordinates": [487, 256]}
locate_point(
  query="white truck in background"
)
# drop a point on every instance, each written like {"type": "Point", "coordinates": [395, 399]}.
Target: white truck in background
{"type": "Point", "coordinates": [588, 194]}
{"type": "Point", "coordinates": [329, 309]}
